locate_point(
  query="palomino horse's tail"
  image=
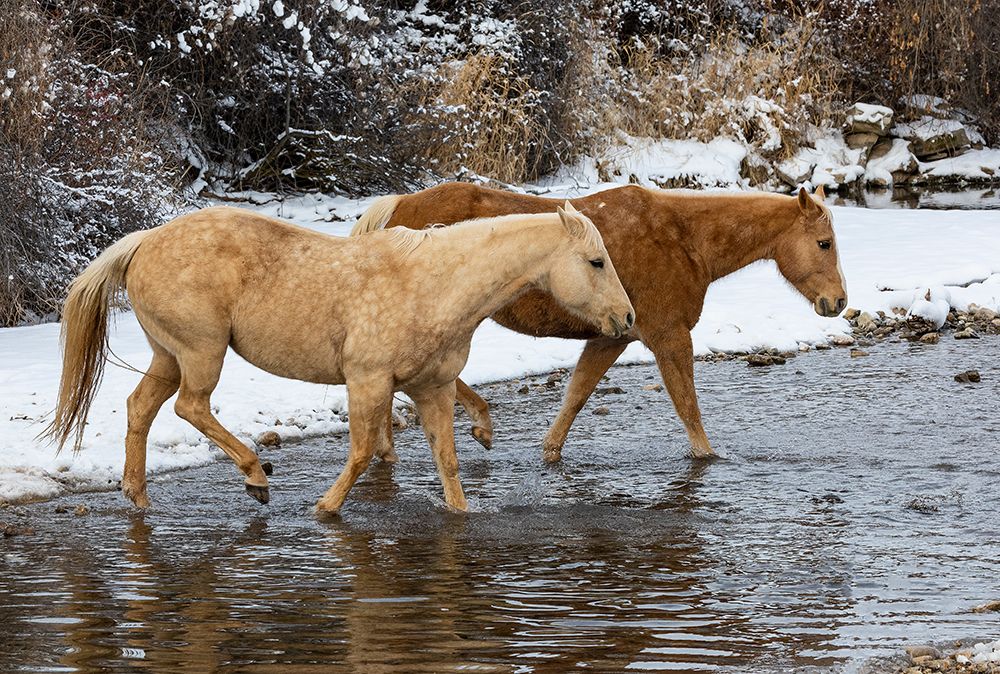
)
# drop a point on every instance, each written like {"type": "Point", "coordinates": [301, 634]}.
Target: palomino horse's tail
{"type": "Point", "coordinates": [377, 215]}
{"type": "Point", "coordinates": [85, 337]}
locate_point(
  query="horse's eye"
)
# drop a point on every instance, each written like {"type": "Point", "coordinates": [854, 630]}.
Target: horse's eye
{"type": "Point", "coordinates": [599, 263]}
{"type": "Point", "coordinates": [825, 244]}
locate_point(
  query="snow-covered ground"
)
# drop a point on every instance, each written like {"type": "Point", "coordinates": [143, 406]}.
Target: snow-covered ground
{"type": "Point", "coordinates": [891, 258]}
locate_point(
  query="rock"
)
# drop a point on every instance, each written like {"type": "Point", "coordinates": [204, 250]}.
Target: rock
{"type": "Point", "coordinates": [795, 171]}
{"type": "Point", "coordinates": [269, 439]}
{"type": "Point", "coordinates": [61, 510]}
{"type": "Point", "coordinates": [932, 139]}
{"type": "Point", "coordinates": [985, 315]}
{"type": "Point", "coordinates": [867, 118]}
{"type": "Point", "coordinates": [919, 325]}
{"type": "Point", "coordinates": [923, 652]}
{"type": "Point", "coordinates": [554, 378]}
{"type": "Point", "coordinates": [524, 389]}
{"type": "Point", "coordinates": [861, 141]}
{"type": "Point", "coordinates": [866, 323]}
{"type": "Point", "coordinates": [822, 347]}
{"type": "Point", "coordinates": [930, 338]}
{"type": "Point", "coordinates": [609, 390]}
{"type": "Point", "coordinates": [653, 387]}
{"type": "Point", "coordinates": [967, 333]}
{"type": "Point", "coordinates": [601, 411]}
{"type": "Point", "coordinates": [764, 360]}
{"type": "Point", "coordinates": [804, 347]}
{"type": "Point", "coordinates": [81, 510]}
{"type": "Point", "coordinates": [842, 340]}
{"type": "Point", "coordinates": [988, 607]}
{"type": "Point", "coordinates": [968, 377]}
{"type": "Point", "coordinates": [858, 353]}
{"type": "Point", "coordinates": [11, 530]}
{"type": "Point", "coordinates": [851, 314]}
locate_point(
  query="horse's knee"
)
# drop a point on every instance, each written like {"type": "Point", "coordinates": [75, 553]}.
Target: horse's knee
{"type": "Point", "coordinates": [188, 409]}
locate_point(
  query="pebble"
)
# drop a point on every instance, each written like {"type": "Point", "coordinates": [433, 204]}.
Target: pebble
{"type": "Point", "coordinates": [968, 377]}
{"type": "Point", "coordinates": [988, 607]}
{"type": "Point", "coordinates": [842, 340]}
{"type": "Point", "coordinates": [601, 411]}
{"type": "Point", "coordinates": [653, 387]}
{"type": "Point", "coordinates": [764, 360]}
{"type": "Point", "coordinates": [967, 333]}
{"type": "Point", "coordinates": [930, 338]}
{"type": "Point", "coordinates": [866, 323]}
{"type": "Point", "coordinates": [851, 314]}
{"type": "Point", "coordinates": [11, 530]}
{"type": "Point", "coordinates": [81, 510]}
{"type": "Point", "coordinates": [269, 439]}
{"type": "Point", "coordinates": [523, 389]}
{"type": "Point", "coordinates": [554, 378]}
{"type": "Point", "coordinates": [823, 347]}
{"type": "Point", "coordinates": [61, 510]}
{"type": "Point", "coordinates": [858, 353]}
{"type": "Point", "coordinates": [923, 652]}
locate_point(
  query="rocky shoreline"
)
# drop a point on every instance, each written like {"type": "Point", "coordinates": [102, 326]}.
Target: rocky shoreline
{"type": "Point", "coordinates": [871, 329]}
{"type": "Point", "coordinates": [960, 657]}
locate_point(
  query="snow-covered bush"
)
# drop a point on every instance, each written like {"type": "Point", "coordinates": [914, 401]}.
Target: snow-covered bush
{"type": "Point", "coordinates": [78, 169]}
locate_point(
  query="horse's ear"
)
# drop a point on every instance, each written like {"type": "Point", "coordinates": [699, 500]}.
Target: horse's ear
{"type": "Point", "coordinates": [805, 202]}
{"type": "Point", "coordinates": [820, 193]}
{"type": "Point", "coordinates": [571, 219]}
{"type": "Point", "coordinates": [569, 207]}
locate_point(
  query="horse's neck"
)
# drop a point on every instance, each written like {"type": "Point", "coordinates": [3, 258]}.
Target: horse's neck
{"type": "Point", "coordinates": [491, 266]}
{"type": "Point", "coordinates": [738, 233]}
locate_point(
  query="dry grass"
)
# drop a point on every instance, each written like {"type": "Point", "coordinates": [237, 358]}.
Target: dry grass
{"type": "Point", "coordinates": [766, 94]}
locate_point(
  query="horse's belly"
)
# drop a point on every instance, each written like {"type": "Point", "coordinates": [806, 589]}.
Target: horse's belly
{"type": "Point", "coordinates": [292, 357]}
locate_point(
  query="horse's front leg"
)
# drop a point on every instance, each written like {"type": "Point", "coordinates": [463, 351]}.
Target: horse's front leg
{"type": "Point", "coordinates": [369, 402]}
{"type": "Point", "coordinates": [386, 449]}
{"type": "Point", "coordinates": [598, 355]}
{"type": "Point", "coordinates": [675, 358]}
{"type": "Point", "coordinates": [437, 414]}
{"type": "Point", "coordinates": [478, 411]}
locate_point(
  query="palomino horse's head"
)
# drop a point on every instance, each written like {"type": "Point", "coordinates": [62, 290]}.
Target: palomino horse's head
{"type": "Point", "coordinates": [807, 255]}
{"type": "Point", "coordinates": [583, 279]}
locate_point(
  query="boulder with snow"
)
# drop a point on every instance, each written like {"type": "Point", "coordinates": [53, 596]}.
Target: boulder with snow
{"type": "Point", "coordinates": [867, 118]}
{"type": "Point", "coordinates": [890, 162]}
{"type": "Point", "coordinates": [796, 170]}
{"type": "Point", "coordinates": [932, 139]}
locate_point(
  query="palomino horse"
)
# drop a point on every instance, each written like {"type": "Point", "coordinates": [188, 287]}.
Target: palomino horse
{"type": "Point", "coordinates": [391, 312]}
{"type": "Point", "coordinates": [668, 247]}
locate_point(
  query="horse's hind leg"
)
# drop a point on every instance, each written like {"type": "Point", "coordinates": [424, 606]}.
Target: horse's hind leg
{"type": "Point", "coordinates": [437, 414]}
{"type": "Point", "coordinates": [479, 411]}
{"type": "Point", "coordinates": [159, 383]}
{"type": "Point", "coordinates": [199, 376]}
{"type": "Point", "coordinates": [368, 404]}
{"type": "Point", "coordinates": [598, 355]}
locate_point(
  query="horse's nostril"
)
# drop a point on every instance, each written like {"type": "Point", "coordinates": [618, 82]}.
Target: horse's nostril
{"type": "Point", "coordinates": [841, 304]}
{"type": "Point", "coordinates": [629, 320]}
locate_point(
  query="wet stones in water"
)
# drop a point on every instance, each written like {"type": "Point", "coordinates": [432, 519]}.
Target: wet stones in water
{"type": "Point", "coordinates": [988, 607]}
{"type": "Point", "coordinates": [554, 379]}
{"type": "Point", "coordinates": [968, 377]}
{"type": "Point", "coordinates": [11, 530]}
{"type": "Point", "coordinates": [81, 510]}
{"type": "Point", "coordinates": [858, 353]}
{"type": "Point", "coordinates": [967, 333]}
{"type": "Point", "coordinates": [922, 505]}
{"type": "Point", "coordinates": [269, 439]}
{"type": "Point", "coordinates": [601, 411]}
{"type": "Point", "coordinates": [923, 652]}
{"type": "Point", "coordinates": [822, 347]}
{"type": "Point", "coordinates": [842, 340]}
{"type": "Point", "coordinates": [653, 387]}
{"type": "Point", "coordinates": [609, 390]}
{"type": "Point", "coordinates": [930, 338]}
{"type": "Point", "coordinates": [523, 390]}
{"type": "Point", "coordinates": [764, 360]}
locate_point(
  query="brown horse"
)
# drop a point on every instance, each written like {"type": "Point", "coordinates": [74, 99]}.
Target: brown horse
{"type": "Point", "coordinates": [393, 312]}
{"type": "Point", "coordinates": [668, 247]}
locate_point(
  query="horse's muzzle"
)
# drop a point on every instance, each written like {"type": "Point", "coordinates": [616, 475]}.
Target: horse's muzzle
{"type": "Point", "coordinates": [829, 307]}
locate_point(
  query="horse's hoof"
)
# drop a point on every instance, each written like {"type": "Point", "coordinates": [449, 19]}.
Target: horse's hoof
{"type": "Point", "coordinates": [551, 454]}
{"type": "Point", "coordinates": [138, 499]}
{"type": "Point", "coordinates": [703, 454]}
{"type": "Point", "coordinates": [483, 436]}
{"type": "Point", "coordinates": [267, 468]}
{"type": "Point", "coordinates": [325, 512]}
{"type": "Point", "coordinates": [262, 494]}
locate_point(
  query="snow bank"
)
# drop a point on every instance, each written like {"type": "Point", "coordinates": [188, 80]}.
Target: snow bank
{"type": "Point", "coordinates": [890, 258]}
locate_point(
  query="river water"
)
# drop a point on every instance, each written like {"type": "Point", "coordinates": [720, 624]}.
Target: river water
{"type": "Point", "coordinates": [856, 511]}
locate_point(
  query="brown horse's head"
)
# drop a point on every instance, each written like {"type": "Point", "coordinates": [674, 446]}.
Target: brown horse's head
{"type": "Point", "coordinates": [807, 255]}
{"type": "Point", "coordinates": [584, 281]}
